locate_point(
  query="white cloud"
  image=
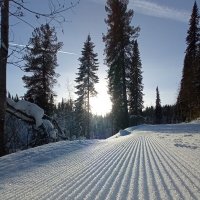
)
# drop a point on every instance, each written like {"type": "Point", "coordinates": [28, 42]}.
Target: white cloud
{"type": "Point", "coordinates": [153, 9]}
{"type": "Point", "coordinates": [150, 8]}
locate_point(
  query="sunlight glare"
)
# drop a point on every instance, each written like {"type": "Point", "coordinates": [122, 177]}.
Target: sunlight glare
{"type": "Point", "coordinates": [101, 104]}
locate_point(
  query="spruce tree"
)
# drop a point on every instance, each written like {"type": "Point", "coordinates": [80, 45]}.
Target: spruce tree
{"type": "Point", "coordinates": [85, 86]}
{"type": "Point", "coordinates": [158, 108]}
{"type": "Point", "coordinates": [135, 86]}
{"type": "Point", "coordinates": [117, 47]}
{"type": "Point", "coordinates": [41, 61]}
{"type": "Point", "coordinates": [188, 98]}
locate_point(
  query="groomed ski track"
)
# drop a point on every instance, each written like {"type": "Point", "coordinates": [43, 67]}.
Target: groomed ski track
{"type": "Point", "coordinates": [142, 165]}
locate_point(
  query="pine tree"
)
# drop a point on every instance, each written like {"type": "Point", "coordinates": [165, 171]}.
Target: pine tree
{"type": "Point", "coordinates": [9, 95]}
{"type": "Point", "coordinates": [135, 86]}
{"type": "Point", "coordinates": [117, 47]}
{"type": "Point", "coordinates": [41, 61]}
{"type": "Point", "coordinates": [188, 99]}
{"type": "Point", "coordinates": [85, 86]}
{"type": "Point", "coordinates": [158, 108]}
{"type": "Point", "coordinates": [197, 77]}
{"type": "Point", "coordinates": [16, 99]}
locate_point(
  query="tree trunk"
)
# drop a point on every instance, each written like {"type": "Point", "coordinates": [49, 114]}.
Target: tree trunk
{"type": "Point", "coordinates": [3, 63]}
{"type": "Point", "coordinates": [124, 92]}
{"type": "Point", "coordinates": [88, 109]}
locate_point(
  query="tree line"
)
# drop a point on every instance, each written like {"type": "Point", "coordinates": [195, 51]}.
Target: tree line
{"type": "Point", "coordinates": [54, 13]}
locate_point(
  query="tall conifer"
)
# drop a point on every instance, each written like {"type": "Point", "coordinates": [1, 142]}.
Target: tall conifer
{"type": "Point", "coordinates": [117, 47]}
{"type": "Point", "coordinates": [41, 61]}
{"type": "Point", "coordinates": [135, 86]}
{"type": "Point", "coordinates": [187, 101]}
{"type": "Point", "coordinates": [85, 86]}
{"type": "Point", "coordinates": [158, 108]}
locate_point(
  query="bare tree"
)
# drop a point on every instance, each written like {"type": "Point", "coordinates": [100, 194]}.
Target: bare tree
{"type": "Point", "coordinates": [56, 11]}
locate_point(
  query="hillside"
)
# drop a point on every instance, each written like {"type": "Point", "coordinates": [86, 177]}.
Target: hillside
{"type": "Point", "coordinates": [147, 162]}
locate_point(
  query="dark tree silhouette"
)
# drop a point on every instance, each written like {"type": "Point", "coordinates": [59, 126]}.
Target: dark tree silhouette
{"type": "Point", "coordinates": [135, 86]}
{"type": "Point", "coordinates": [188, 101]}
{"type": "Point", "coordinates": [158, 108]}
{"type": "Point", "coordinates": [54, 13]}
{"type": "Point", "coordinates": [117, 47]}
{"type": "Point", "coordinates": [85, 85]}
{"type": "Point", "coordinates": [3, 63]}
{"type": "Point", "coordinates": [41, 61]}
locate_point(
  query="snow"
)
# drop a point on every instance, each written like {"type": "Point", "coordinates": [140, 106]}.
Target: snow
{"type": "Point", "coordinates": [29, 109]}
{"type": "Point", "coordinates": [144, 162]}
{"type": "Point", "coordinates": [53, 133]}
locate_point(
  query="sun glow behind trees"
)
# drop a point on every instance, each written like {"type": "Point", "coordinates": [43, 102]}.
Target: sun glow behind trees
{"type": "Point", "coordinates": [101, 104]}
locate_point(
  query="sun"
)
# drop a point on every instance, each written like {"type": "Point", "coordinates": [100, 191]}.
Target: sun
{"type": "Point", "coordinates": [101, 104]}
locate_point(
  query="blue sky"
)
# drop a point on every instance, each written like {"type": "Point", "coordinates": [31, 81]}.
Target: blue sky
{"type": "Point", "coordinates": [163, 24]}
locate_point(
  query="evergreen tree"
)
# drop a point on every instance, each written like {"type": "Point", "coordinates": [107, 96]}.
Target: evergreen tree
{"type": "Point", "coordinates": [41, 61]}
{"type": "Point", "coordinates": [197, 77]}
{"type": "Point", "coordinates": [135, 83]}
{"type": "Point", "coordinates": [16, 99]}
{"type": "Point", "coordinates": [117, 47]}
{"type": "Point", "coordinates": [65, 117]}
{"type": "Point", "coordinates": [85, 86]}
{"type": "Point", "coordinates": [158, 108]}
{"type": "Point", "coordinates": [188, 102]}
{"type": "Point", "coordinates": [149, 115]}
{"type": "Point", "coordinates": [9, 95]}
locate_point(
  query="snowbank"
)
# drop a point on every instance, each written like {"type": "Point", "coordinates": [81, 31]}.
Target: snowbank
{"type": "Point", "coordinates": [29, 109]}
{"type": "Point", "coordinates": [120, 133]}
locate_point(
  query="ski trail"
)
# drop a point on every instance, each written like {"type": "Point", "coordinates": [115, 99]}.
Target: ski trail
{"type": "Point", "coordinates": [137, 166]}
{"type": "Point", "coordinates": [154, 192]}
{"type": "Point", "coordinates": [167, 174]}
{"type": "Point", "coordinates": [118, 174]}
{"type": "Point", "coordinates": [175, 166]}
{"type": "Point", "coordinates": [162, 183]}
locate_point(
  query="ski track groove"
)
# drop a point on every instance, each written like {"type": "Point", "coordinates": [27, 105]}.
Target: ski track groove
{"type": "Point", "coordinates": [174, 168]}
{"type": "Point", "coordinates": [137, 166]}
{"type": "Point", "coordinates": [177, 182]}
{"type": "Point", "coordinates": [79, 184]}
{"type": "Point", "coordinates": [85, 174]}
{"type": "Point", "coordinates": [133, 188]}
{"type": "Point", "coordinates": [156, 178]}
{"type": "Point", "coordinates": [126, 179]}
{"type": "Point", "coordinates": [110, 178]}
{"type": "Point", "coordinates": [116, 183]}
{"type": "Point", "coordinates": [185, 161]}
{"type": "Point", "coordinates": [161, 178]}
{"type": "Point", "coordinates": [151, 181]}
{"type": "Point", "coordinates": [173, 189]}
{"type": "Point", "coordinates": [184, 167]}
{"type": "Point", "coordinates": [101, 180]}
{"type": "Point", "coordinates": [80, 175]}
{"type": "Point", "coordinates": [73, 178]}
{"type": "Point", "coordinates": [40, 183]}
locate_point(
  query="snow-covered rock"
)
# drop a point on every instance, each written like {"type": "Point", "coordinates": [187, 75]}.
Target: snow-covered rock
{"type": "Point", "coordinates": [120, 133]}
{"type": "Point", "coordinates": [29, 109]}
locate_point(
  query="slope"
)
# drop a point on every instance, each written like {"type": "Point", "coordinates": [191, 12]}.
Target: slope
{"type": "Point", "coordinates": [151, 162]}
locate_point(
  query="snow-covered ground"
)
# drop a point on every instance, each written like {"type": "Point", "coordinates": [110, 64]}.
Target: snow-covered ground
{"type": "Point", "coordinates": [147, 162]}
